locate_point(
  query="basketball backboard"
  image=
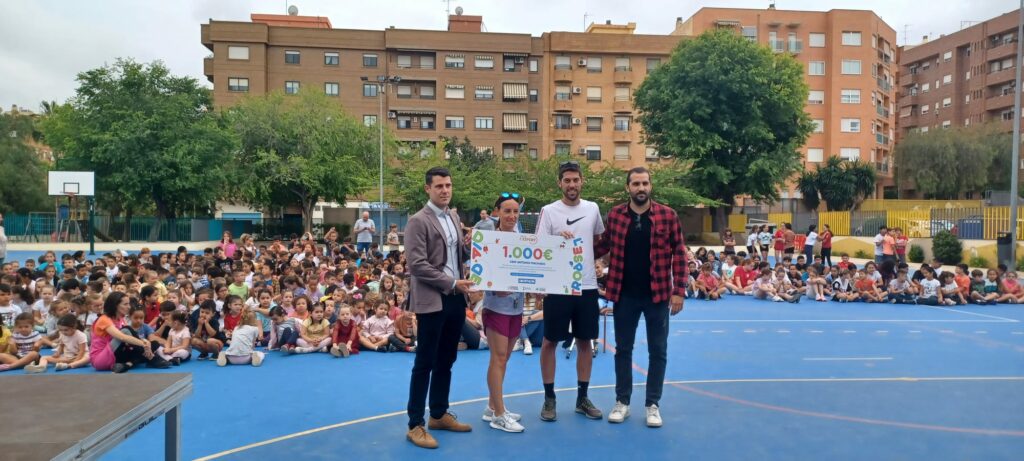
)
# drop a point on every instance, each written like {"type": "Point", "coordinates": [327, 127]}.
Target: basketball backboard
{"type": "Point", "coordinates": [80, 183]}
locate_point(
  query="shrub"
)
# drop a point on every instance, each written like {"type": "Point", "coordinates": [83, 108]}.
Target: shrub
{"type": "Point", "coordinates": [916, 254]}
{"type": "Point", "coordinates": [978, 261]}
{"type": "Point", "coordinates": [861, 254]}
{"type": "Point", "coordinates": [947, 248]}
{"type": "Point", "coordinates": [1020, 265]}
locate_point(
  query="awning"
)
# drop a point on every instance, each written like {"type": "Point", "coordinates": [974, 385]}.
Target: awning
{"type": "Point", "coordinates": [485, 87]}
{"type": "Point", "coordinates": [514, 91]}
{"type": "Point", "coordinates": [455, 55]}
{"type": "Point", "coordinates": [516, 55]}
{"type": "Point", "coordinates": [484, 58]}
{"type": "Point", "coordinates": [514, 122]}
{"type": "Point", "coordinates": [413, 112]}
{"type": "Point", "coordinates": [456, 87]}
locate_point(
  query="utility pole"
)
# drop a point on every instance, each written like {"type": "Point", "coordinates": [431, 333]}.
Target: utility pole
{"type": "Point", "coordinates": [1015, 167]}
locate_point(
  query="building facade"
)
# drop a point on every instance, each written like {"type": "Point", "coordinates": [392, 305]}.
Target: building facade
{"type": "Point", "coordinates": [849, 64]}
{"type": "Point", "coordinates": [959, 79]}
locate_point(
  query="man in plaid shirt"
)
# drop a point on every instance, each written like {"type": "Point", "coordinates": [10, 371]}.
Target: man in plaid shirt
{"type": "Point", "coordinates": [647, 257]}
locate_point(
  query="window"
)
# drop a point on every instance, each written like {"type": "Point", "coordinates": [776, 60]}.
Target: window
{"type": "Point", "coordinates": [563, 148]}
{"type": "Point", "coordinates": [749, 33]}
{"type": "Point", "coordinates": [815, 155]}
{"type": "Point", "coordinates": [593, 64]}
{"type": "Point", "coordinates": [563, 93]}
{"type": "Point", "coordinates": [534, 67]}
{"type": "Point", "coordinates": [533, 153]}
{"type": "Point", "coordinates": [816, 97]}
{"type": "Point", "coordinates": [946, 102]}
{"type": "Point", "coordinates": [369, 60]}
{"type": "Point", "coordinates": [404, 61]}
{"type": "Point", "coordinates": [331, 89]}
{"type": "Point", "coordinates": [426, 122]}
{"type": "Point", "coordinates": [947, 56]}
{"type": "Point", "coordinates": [1006, 115]}
{"type": "Point", "coordinates": [850, 97]}
{"type": "Point", "coordinates": [622, 152]}
{"type": "Point", "coordinates": [652, 63]}
{"type": "Point", "coordinates": [291, 87]}
{"type": "Point", "coordinates": [484, 92]}
{"type": "Point", "coordinates": [622, 123]}
{"type": "Point", "coordinates": [534, 96]}
{"type": "Point", "coordinates": [947, 79]}
{"type": "Point", "coordinates": [484, 123]}
{"type": "Point", "coordinates": [291, 57]}
{"type": "Point", "coordinates": [924, 129]}
{"type": "Point", "coordinates": [238, 84]}
{"type": "Point", "coordinates": [622, 93]}
{"type": "Point", "coordinates": [851, 38]}
{"type": "Point", "coordinates": [426, 92]}
{"type": "Point", "coordinates": [369, 120]}
{"type": "Point", "coordinates": [925, 87]}
{"type": "Point", "coordinates": [967, 99]}
{"type": "Point", "coordinates": [404, 122]}
{"type": "Point", "coordinates": [509, 64]}
{"type": "Point", "coordinates": [426, 62]}
{"type": "Point", "coordinates": [967, 121]}
{"type": "Point", "coordinates": [850, 125]}
{"type": "Point", "coordinates": [593, 123]}
{"type": "Point", "coordinates": [593, 152]}
{"type": "Point", "coordinates": [594, 93]}
{"type": "Point", "coordinates": [331, 59]}
{"type": "Point", "coordinates": [924, 109]}
{"type": "Point", "coordinates": [967, 75]}
{"type": "Point", "coordinates": [651, 153]}
{"type": "Point", "coordinates": [563, 121]}
{"type": "Point", "coordinates": [851, 67]}
{"type": "Point", "coordinates": [455, 92]}
{"type": "Point", "coordinates": [622, 64]}
{"type": "Point", "coordinates": [455, 122]}
{"type": "Point", "coordinates": [819, 125]}
{"type": "Point", "coordinates": [404, 91]}
{"type": "Point", "coordinates": [370, 90]}
{"type": "Point", "coordinates": [482, 62]}
{"type": "Point", "coordinates": [454, 61]}
{"type": "Point", "coordinates": [563, 62]}
{"type": "Point", "coordinates": [849, 153]}
{"type": "Point", "coordinates": [816, 68]}
{"type": "Point", "coordinates": [238, 52]}
{"type": "Point", "coordinates": [946, 124]}
{"type": "Point", "coordinates": [816, 40]}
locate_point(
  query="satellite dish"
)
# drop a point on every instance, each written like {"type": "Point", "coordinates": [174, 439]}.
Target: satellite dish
{"type": "Point", "coordinates": [458, 10]}
{"type": "Point", "coordinates": [293, 10]}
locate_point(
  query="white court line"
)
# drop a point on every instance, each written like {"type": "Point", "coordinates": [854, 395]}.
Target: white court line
{"type": "Point", "coordinates": [914, 331]}
{"type": "Point", "coordinates": [718, 331]}
{"type": "Point", "coordinates": [1018, 332]}
{"type": "Point", "coordinates": [849, 331]}
{"type": "Point", "coordinates": [946, 331]}
{"type": "Point", "coordinates": [782, 331]}
{"type": "Point", "coordinates": [817, 331]}
{"type": "Point", "coordinates": [882, 332]}
{"type": "Point", "coordinates": [969, 313]}
{"type": "Point", "coordinates": [981, 332]}
{"type": "Point", "coordinates": [750, 331]}
{"type": "Point", "coordinates": [843, 359]}
{"type": "Point", "coordinates": [840, 321]}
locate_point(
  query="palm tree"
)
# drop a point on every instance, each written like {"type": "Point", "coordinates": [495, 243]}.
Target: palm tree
{"type": "Point", "coordinates": [842, 184]}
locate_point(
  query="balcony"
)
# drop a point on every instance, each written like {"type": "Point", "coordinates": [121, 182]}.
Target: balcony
{"type": "Point", "coordinates": [563, 105]}
{"type": "Point", "coordinates": [882, 111]}
{"type": "Point", "coordinates": [881, 139]}
{"type": "Point", "coordinates": [884, 85]}
{"type": "Point", "coordinates": [563, 75]}
{"type": "Point", "coordinates": [882, 167]}
{"type": "Point", "coordinates": [1000, 76]}
{"type": "Point", "coordinates": [777, 45]}
{"type": "Point", "coordinates": [1001, 50]}
{"type": "Point", "coordinates": [623, 75]}
{"type": "Point", "coordinates": [622, 136]}
{"type": "Point", "coordinates": [562, 134]}
{"type": "Point", "coordinates": [999, 102]}
{"type": "Point", "coordinates": [907, 100]}
{"type": "Point", "coordinates": [622, 106]}
{"type": "Point", "coordinates": [208, 68]}
{"type": "Point", "coordinates": [796, 46]}
{"type": "Point", "coordinates": [414, 73]}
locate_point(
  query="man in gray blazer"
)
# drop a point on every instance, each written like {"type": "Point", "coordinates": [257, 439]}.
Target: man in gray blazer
{"type": "Point", "coordinates": [435, 251]}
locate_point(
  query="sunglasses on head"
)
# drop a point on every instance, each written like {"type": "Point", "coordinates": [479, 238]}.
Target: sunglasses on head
{"type": "Point", "coordinates": [514, 195]}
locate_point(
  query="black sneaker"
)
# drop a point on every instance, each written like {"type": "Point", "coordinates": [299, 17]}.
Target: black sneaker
{"type": "Point", "coordinates": [547, 412]}
{"type": "Point", "coordinates": [119, 368]}
{"type": "Point", "coordinates": [176, 361]}
{"type": "Point", "coordinates": [203, 356]}
{"type": "Point", "coordinates": [586, 408]}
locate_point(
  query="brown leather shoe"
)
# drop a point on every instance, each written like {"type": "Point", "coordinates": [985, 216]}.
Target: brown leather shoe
{"type": "Point", "coordinates": [448, 423]}
{"type": "Point", "coordinates": [421, 438]}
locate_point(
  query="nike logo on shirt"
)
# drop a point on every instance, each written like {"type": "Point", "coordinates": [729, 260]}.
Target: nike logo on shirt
{"type": "Point", "coordinates": [574, 221]}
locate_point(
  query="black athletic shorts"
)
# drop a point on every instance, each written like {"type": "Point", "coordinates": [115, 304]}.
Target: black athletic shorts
{"type": "Point", "coordinates": [580, 312]}
{"type": "Point", "coordinates": [788, 251]}
{"type": "Point", "coordinates": [764, 249]}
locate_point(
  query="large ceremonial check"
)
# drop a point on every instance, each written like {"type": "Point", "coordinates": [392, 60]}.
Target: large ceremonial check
{"type": "Point", "coordinates": [527, 263]}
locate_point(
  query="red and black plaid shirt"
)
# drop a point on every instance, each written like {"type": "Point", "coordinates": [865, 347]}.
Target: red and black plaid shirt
{"type": "Point", "coordinates": [668, 252]}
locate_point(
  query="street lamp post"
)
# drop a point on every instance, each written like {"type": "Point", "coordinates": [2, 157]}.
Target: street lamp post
{"type": "Point", "coordinates": [1015, 167]}
{"type": "Point", "coordinates": [382, 82]}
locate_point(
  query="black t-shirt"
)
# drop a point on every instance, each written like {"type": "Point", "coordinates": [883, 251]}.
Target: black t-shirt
{"type": "Point", "coordinates": [636, 276]}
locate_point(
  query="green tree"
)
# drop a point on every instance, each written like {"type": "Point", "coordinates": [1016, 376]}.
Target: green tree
{"type": "Point", "coordinates": [22, 173]}
{"type": "Point", "coordinates": [840, 183]}
{"type": "Point", "coordinates": [149, 136]}
{"type": "Point", "coordinates": [298, 150]}
{"type": "Point", "coordinates": [927, 160]}
{"type": "Point", "coordinates": [733, 111]}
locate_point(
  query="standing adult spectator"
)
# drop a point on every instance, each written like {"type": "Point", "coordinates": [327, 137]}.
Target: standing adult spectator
{"type": "Point", "coordinates": [485, 222]}
{"type": "Point", "coordinates": [393, 239]}
{"type": "Point", "coordinates": [889, 247]}
{"type": "Point", "coordinates": [789, 240]}
{"type": "Point", "coordinates": [435, 252]}
{"type": "Point", "coordinates": [364, 230]}
{"type": "Point", "coordinates": [879, 241]}
{"type": "Point", "coordinates": [571, 217]}
{"type": "Point", "coordinates": [3, 241]}
{"type": "Point", "coordinates": [812, 239]}
{"type": "Point", "coordinates": [647, 256]}
{"type": "Point", "coordinates": [826, 245]}
{"type": "Point", "coordinates": [901, 245]}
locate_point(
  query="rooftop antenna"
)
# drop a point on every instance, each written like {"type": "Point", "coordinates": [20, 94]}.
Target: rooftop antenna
{"type": "Point", "coordinates": [967, 23]}
{"type": "Point", "coordinates": [906, 34]}
{"type": "Point", "coordinates": [585, 16]}
{"type": "Point", "coordinates": [447, 7]}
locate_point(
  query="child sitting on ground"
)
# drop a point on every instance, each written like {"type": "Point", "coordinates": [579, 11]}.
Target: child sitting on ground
{"type": "Point", "coordinates": [404, 337]}
{"type": "Point", "coordinates": [72, 347]}
{"type": "Point", "coordinates": [1012, 292]}
{"type": "Point", "coordinates": [866, 288]}
{"type": "Point", "coordinates": [23, 347]}
{"type": "Point", "coordinates": [764, 288]}
{"type": "Point", "coordinates": [178, 347]}
{"type": "Point", "coordinates": [816, 285]}
{"type": "Point", "coordinates": [376, 330]}
{"type": "Point", "coordinates": [284, 330]}
{"type": "Point", "coordinates": [315, 333]}
{"type": "Point", "coordinates": [951, 291]}
{"type": "Point", "coordinates": [242, 350]}
{"type": "Point", "coordinates": [345, 335]}
{"type": "Point", "coordinates": [206, 335]}
{"type": "Point", "coordinates": [901, 291]}
{"type": "Point", "coordinates": [708, 286]}
{"type": "Point", "coordinates": [930, 293]}
{"type": "Point", "coordinates": [980, 293]}
{"type": "Point", "coordinates": [842, 288]}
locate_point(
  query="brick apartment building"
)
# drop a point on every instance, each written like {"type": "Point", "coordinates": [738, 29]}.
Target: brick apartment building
{"type": "Point", "coordinates": [959, 79]}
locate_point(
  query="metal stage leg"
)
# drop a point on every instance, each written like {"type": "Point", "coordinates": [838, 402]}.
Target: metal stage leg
{"type": "Point", "coordinates": [172, 434]}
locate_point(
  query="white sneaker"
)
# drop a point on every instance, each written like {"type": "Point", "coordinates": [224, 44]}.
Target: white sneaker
{"type": "Point", "coordinates": [61, 366]}
{"type": "Point", "coordinates": [506, 423]}
{"type": "Point", "coordinates": [303, 350]}
{"type": "Point", "coordinates": [950, 302]}
{"type": "Point", "coordinates": [518, 346]}
{"type": "Point", "coordinates": [32, 368]}
{"type": "Point", "coordinates": [257, 358]}
{"type": "Point", "coordinates": [619, 413]}
{"type": "Point", "coordinates": [489, 415]}
{"type": "Point", "coordinates": [653, 416]}
{"type": "Point", "coordinates": [222, 359]}
{"type": "Point", "coordinates": [527, 347]}
{"type": "Point", "coordinates": [334, 351]}
{"type": "Point", "coordinates": [777, 299]}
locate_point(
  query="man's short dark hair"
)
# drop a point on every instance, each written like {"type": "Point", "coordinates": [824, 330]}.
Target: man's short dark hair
{"type": "Point", "coordinates": [567, 166]}
{"type": "Point", "coordinates": [636, 170]}
{"type": "Point", "coordinates": [436, 171]}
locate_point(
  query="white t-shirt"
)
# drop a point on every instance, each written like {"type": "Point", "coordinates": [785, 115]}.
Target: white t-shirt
{"type": "Point", "coordinates": [362, 225]}
{"type": "Point", "coordinates": [929, 288]}
{"type": "Point", "coordinates": [73, 344]}
{"type": "Point", "coordinates": [584, 221]}
{"type": "Point", "coordinates": [878, 244]}
{"type": "Point", "coordinates": [812, 238]}
{"type": "Point", "coordinates": [752, 239]}
{"type": "Point", "coordinates": [10, 311]}
{"type": "Point", "coordinates": [765, 238]}
{"type": "Point", "coordinates": [42, 309]}
{"type": "Point", "coordinates": [728, 271]}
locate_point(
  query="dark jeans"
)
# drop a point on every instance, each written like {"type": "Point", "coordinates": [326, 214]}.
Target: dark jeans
{"type": "Point", "coordinates": [397, 343]}
{"type": "Point", "coordinates": [363, 248]}
{"type": "Point", "coordinates": [809, 254]}
{"type": "Point", "coordinates": [289, 337]}
{"type": "Point", "coordinates": [469, 335]}
{"type": "Point", "coordinates": [533, 332]}
{"type": "Point", "coordinates": [439, 334]}
{"type": "Point", "coordinates": [129, 353]}
{"type": "Point", "coordinates": [627, 318]}
{"type": "Point", "coordinates": [826, 256]}
{"type": "Point", "coordinates": [929, 301]}
{"type": "Point", "coordinates": [902, 298]}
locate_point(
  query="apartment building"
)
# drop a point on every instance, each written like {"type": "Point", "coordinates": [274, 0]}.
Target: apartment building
{"type": "Point", "coordinates": [566, 93]}
{"type": "Point", "coordinates": [960, 79]}
{"type": "Point", "coordinates": [849, 62]}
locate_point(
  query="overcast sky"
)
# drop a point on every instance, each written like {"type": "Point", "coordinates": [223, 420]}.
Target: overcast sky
{"type": "Point", "coordinates": [45, 43]}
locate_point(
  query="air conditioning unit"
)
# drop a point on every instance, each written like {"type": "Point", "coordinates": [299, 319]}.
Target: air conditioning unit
{"type": "Point", "coordinates": [583, 151]}
{"type": "Point", "coordinates": [577, 121]}
{"type": "Point", "coordinates": [577, 90]}
{"type": "Point", "coordinates": [582, 63]}
{"type": "Point", "coordinates": [392, 114]}
{"type": "Point", "coordinates": [520, 60]}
